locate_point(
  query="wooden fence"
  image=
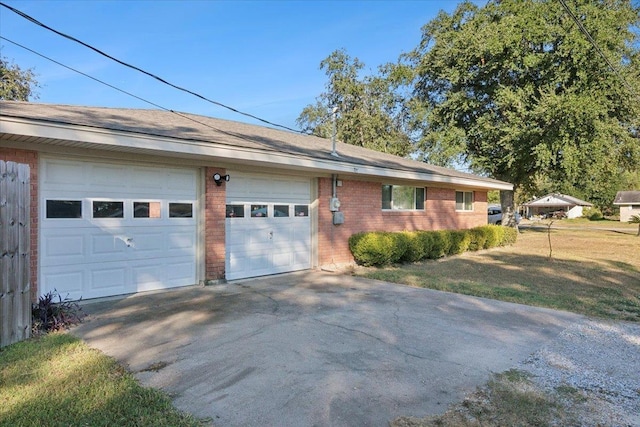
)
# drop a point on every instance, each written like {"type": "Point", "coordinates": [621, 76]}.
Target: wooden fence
{"type": "Point", "coordinates": [15, 285]}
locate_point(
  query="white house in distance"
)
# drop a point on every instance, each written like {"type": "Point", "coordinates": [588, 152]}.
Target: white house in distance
{"type": "Point", "coordinates": [629, 203]}
{"type": "Point", "coordinates": [571, 206]}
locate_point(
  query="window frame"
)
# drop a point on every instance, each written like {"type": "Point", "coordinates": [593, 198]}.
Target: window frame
{"type": "Point", "coordinates": [465, 201]}
{"type": "Point", "coordinates": [418, 202]}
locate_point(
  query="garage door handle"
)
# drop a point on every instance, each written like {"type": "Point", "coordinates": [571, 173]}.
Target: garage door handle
{"type": "Point", "coordinates": [270, 235]}
{"type": "Point", "coordinates": [129, 242]}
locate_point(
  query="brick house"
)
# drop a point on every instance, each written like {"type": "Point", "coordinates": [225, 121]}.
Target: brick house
{"type": "Point", "coordinates": [127, 200]}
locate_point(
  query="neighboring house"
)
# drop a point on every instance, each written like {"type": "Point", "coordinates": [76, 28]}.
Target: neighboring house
{"type": "Point", "coordinates": [127, 200]}
{"type": "Point", "coordinates": [554, 203]}
{"type": "Point", "coordinates": [629, 202]}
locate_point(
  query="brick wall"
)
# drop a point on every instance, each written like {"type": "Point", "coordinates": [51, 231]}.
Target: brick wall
{"type": "Point", "coordinates": [215, 203]}
{"type": "Point", "coordinates": [30, 158]}
{"type": "Point", "coordinates": [361, 203]}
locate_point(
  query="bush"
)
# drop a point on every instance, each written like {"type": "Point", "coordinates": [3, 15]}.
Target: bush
{"type": "Point", "coordinates": [593, 214]}
{"type": "Point", "coordinates": [52, 313]}
{"type": "Point", "coordinates": [460, 240]}
{"type": "Point", "coordinates": [478, 238]}
{"type": "Point", "coordinates": [416, 249]}
{"type": "Point", "coordinates": [381, 248]}
{"type": "Point", "coordinates": [377, 248]}
{"type": "Point", "coordinates": [510, 236]}
{"type": "Point", "coordinates": [440, 244]}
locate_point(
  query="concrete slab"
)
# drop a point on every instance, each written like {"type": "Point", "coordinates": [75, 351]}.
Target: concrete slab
{"type": "Point", "coordinates": [314, 348]}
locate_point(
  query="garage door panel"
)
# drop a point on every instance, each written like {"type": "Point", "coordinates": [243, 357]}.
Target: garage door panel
{"type": "Point", "coordinates": [114, 278]}
{"type": "Point", "coordinates": [269, 244]}
{"type": "Point", "coordinates": [142, 249]}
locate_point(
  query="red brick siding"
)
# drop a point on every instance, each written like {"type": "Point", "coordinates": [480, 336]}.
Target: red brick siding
{"type": "Point", "coordinates": [361, 203]}
{"type": "Point", "coordinates": [31, 158]}
{"type": "Point", "coordinates": [215, 202]}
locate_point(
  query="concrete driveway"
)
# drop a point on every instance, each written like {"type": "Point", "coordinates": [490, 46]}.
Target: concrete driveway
{"type": "Point", "coordinates": [315, 349]}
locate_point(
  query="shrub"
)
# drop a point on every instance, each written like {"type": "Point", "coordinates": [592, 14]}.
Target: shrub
{"type": "Point", "coordinates": [415, 248]}
{"type": "Point", "coordinates": [52, 313]}
{"type": "Point", "coordinates": [494, 235]}
{"type": "Point", "coordinates": [510, 236]}
{"type": "Point", "coordinates": [377, 248]}
{"type": "Point", "coordinates": [593, 214]}
{"type": "Point", "coordinates": [460, 240]}
{"type": "Point", "coordinates": [478, 238]}
{"type": "Point", "coordinates": [440, 244]}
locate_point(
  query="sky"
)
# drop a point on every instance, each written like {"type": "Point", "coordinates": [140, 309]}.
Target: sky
{"type": "Point", "coordinates": [259, 57]}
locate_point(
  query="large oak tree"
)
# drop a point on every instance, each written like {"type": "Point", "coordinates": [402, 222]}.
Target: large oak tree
{"type": "Point", "coordinates": [517, 90]}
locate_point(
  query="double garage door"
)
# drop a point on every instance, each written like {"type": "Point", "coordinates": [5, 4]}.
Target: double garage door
{"type": "Point", "coordinates": [110, 229]}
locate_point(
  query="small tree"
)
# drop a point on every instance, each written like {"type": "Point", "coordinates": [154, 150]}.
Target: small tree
{"type": "Point", "coordinates": [635, 220]}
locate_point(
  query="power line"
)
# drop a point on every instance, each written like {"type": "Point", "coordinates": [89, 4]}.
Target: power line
{"type": "Point", "coordinates": [184, 116]}
{"type": "Point", "coordinates": [591, 40]}
{"type": "Point", "coordinates": [35, 21]}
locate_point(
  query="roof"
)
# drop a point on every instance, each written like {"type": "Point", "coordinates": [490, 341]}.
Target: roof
{"type": "Point", "coordinates": [553, 199]}
{"type": "Point", "coordinates": [184, 134]}
{"type": "Point", "coordinates": [627, 198]}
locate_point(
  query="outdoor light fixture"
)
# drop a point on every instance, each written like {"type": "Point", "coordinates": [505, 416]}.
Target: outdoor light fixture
{"type": "Point", "coordinates": [219, 178]}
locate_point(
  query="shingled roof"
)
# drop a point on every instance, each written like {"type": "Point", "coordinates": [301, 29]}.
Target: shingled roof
{"type": "Point", "coordinates": [627, 198]}
{"type": "Point", "coordinates": [201, 129]}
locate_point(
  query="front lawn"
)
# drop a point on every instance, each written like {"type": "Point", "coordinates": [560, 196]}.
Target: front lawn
{"type": "Point", "coordinates": [56, 380]}
{"type": "Point", "coordinates": [591, 272]}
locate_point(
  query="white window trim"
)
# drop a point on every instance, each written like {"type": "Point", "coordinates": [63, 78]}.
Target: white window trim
{"type": "Point", "coordinates": [415, 199]}
{"type": "Point", "coordinates": [473, 200]}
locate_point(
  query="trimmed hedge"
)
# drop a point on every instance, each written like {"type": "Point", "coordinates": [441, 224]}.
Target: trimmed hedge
{"type": "Point", "coordinates": [378, 248]}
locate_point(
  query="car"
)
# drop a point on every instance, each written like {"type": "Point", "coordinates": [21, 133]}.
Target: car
{"type": "Point", "coordinates": [494, 215]}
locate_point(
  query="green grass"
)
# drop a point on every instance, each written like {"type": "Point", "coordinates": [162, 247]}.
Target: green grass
{"type": "Point", "coordinates": [56, 380]}
{"type": "Point", "coordinates": [591, 272]}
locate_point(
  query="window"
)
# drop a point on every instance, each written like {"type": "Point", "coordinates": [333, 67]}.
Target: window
{"type": "Point", "coordinates": [401, 197]}
{"type": "Point", "coordinates": [235, 211]}
{"type": "Point", "coordinates": [180, 210]}
{"type": "Point", "coordinates": [301, 210]}
{"type": "Point", "coordinates": [64, 209]}
{"type": "Point", "coordinates": [281, 210]}
{"type": "Point", "coordinates": [259, 211]}
{"type": "Point", "coordinates": [108, 209]}
{"type": "Point", "coordinates": [464, 200]}
{"type": "Point", "coordinates": [146, 209]}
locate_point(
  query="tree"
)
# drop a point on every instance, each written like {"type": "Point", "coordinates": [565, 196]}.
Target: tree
{"type": "Point", "coordinates": [366, 108]}
{"type": "Point", "coordinates": [635, 220]}
{"type": "Point", "coordinates": [16, 84]}
{"type": "Point", "coordinates": [517, 91]}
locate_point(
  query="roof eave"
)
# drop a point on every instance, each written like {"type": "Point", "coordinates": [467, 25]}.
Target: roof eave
{"type": "Point", "coordinates": [90, 137]}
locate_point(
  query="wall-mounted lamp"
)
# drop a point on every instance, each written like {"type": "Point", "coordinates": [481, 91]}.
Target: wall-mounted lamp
{"type": "Point", "coordinates": [219, 178]}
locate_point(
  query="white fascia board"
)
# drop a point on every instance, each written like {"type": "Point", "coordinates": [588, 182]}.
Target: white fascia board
{"type": "Point", "coordinates": [166, 146]}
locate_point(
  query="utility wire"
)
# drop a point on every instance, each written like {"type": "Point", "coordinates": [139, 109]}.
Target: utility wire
{"type": "Point", "coordinates": [184, 116]}
{"type": "Point", "coordinates": [35, 21]}
{"type": "Point", "coordinates": [586, 33]}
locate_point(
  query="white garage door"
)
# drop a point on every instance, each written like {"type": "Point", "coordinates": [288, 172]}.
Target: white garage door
{"type": "Point", "coordinates": [268, 229]}
{"type": "Point", "coordinates": [111, 229]}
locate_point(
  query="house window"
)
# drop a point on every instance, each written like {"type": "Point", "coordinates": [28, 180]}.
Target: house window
{"type": "Point", "coordinates": [402, 197]}
{"type": "Point", "coordinates": [464, 200]}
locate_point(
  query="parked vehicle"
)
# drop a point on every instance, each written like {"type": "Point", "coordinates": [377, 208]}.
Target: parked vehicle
{"type": "Point", "coordinates": [494, 215]}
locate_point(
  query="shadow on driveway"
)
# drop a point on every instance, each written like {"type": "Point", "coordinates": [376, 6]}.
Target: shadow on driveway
{"type": "Point", "coordinates": [313, 348]}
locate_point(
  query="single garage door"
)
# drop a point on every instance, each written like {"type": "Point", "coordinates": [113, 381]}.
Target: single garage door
{"type": "Point", "coordinates": [111, 229]}
{"type": "Point", "coordinates": [268, 228]}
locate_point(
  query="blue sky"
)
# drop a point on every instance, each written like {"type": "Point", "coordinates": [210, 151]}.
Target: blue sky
{"type": "Point", "coordinates": [261, 57]}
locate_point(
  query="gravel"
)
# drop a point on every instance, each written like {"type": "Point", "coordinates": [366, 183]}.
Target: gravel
{"type": "Point", "coordinates": [599, 361]}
